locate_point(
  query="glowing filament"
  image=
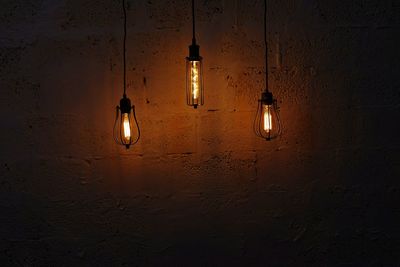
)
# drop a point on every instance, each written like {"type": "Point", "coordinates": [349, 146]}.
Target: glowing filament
{"type": "Point", "coordinates": [127, 127]}
{"type": "Point", "coordinates": [195, 79]}
{"type": "Point", "coordinates": [267, 118]}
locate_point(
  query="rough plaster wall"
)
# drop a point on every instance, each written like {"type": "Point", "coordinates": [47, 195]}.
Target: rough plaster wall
{"type": "Point", "coordinates": [199, 188]}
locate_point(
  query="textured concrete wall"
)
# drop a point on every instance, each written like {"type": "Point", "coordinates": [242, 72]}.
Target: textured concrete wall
{"type": "Point", "coordinates": [199, 188]}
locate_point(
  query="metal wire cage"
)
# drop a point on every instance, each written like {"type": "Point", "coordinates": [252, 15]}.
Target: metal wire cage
{"type": "Point", "coordinates": [267, 124]}
{"type": "Point", "coordinates": [126, 130]}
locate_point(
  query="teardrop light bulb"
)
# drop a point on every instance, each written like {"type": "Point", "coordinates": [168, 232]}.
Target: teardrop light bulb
{"type": "Point", "coordinates": [126, 128]}
{"type": "Point", "coordinates": [267, 124]}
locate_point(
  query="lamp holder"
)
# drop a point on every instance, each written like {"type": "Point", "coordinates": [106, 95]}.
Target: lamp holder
{"type": "Point", "coordinates": [267, 98]}
{"type": "Point", "coordinates": [125, 105]}
{"type": "Point", "coordinates": [194, 51]}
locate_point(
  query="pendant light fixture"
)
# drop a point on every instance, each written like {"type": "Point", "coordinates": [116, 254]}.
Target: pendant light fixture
{"type": "Point", "coordinates": [126, 130]}
{"type": "Point", "coordinates": [194, 71]}
{"type": "Point", "coordinates": [267, 123]}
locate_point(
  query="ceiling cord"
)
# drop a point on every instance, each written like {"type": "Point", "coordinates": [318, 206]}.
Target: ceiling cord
{"type": "Point", "coordinates": [266, 45]}
{"type": "Point", "coordinates": [193, 21]}
{"type": "Point", "coordinates": [124, 45]}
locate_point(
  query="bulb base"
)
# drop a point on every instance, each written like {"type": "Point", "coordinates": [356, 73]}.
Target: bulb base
{"type": "Point", "coordinates": [125, 105]}
{"type": "Point", "coordinates": [267, 98]}
{"type": "Point", "coordinates": [194, 51]}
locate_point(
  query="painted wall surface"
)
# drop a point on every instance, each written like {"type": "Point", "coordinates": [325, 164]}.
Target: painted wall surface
{"type": "Point", "coordinates": [200, 189]}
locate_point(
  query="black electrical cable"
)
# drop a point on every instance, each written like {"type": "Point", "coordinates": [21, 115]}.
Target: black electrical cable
{"type": "Point", "coordinates": [124, 45]}
{"type": "Point", "coordinates": [193, 21]}
{"type": "Point", "coordinates": [266, 45]}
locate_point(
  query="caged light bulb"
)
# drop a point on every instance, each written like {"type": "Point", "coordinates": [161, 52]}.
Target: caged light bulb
{"type": "Point", "coordinates": [126, 128]}
{"type": "Point", "coordinates": [267, 124]}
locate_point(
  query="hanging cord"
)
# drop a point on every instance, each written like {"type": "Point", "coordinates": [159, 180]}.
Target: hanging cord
{"type": "Point", "coordinates": [193, 21]}
{"type": "Point", "coordinates": [266, 45]}
{"type": "Point", "coordinates": [124, 46]}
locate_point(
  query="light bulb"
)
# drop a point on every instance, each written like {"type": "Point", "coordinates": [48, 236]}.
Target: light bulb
{"type": "Point", "coordinates": [267, 118]}
{"type": "Point", "coordinates": [194, 77]}
{"type": "Point", "coordinates": [267, 123]}
{"type": "Point", "coordinates": [126, 126]}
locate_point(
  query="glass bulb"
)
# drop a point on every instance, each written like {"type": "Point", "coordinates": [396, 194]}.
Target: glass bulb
{"type": "Point", "coordinates": [194, 83]}
{"type": "Point", "coordinates": [267, 123]}
{"type": "Point", "coordinates": [126, 127]}
{"type": "Point", "coordinates": [195, 79]}
{"type": "Point", "coordinates": [126, 130]}
{"type": "Point", "coordinates": [267, 118]}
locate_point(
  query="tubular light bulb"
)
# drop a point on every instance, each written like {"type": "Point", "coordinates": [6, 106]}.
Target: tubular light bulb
{"type": "Point", "coordinates": [267, 118]}
{"type": "Point", "coordinates": [127, 127]}
{"type": "Point", "coordinates": [194, 77]}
